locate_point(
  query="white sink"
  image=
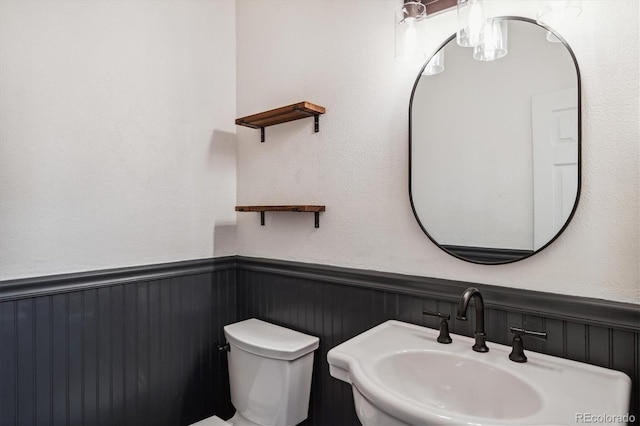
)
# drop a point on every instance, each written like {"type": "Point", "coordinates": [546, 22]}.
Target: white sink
{"type": "Point", "coordinates": [401, 375]}
{"type": "Point", "coordinates": [451, 382]}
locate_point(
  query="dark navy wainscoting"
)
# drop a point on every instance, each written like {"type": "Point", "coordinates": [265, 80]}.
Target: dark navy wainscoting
{"type": "Point", "coordinates": [336, 304]}
{"type": "Point", "coordinates": [132, 346]}
{"type": "Point", "coordinates": [136, 346]}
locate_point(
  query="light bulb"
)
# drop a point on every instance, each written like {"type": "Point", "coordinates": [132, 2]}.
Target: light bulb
{"type": "Point", "coordinates": [411, 38]}
{"type": "Point", "coordinates": [476, 22]}
{"type": "Point", "coordinates": [407, 18]}
{"type": "Point", "coordinates": [471, 18]}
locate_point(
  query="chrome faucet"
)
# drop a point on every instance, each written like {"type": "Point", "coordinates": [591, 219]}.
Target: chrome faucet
{"type": "Point", "coordinates": [480, 335]}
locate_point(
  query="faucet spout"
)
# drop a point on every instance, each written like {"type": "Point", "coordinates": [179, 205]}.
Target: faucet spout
{"type": "Point", "coordinates": [463, 305]}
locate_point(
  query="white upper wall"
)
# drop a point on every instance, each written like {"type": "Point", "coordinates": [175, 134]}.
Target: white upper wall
{"type": "Point", "coordinates": [340, 54]}
{"type": "Point", "coordinates": [117, 142]}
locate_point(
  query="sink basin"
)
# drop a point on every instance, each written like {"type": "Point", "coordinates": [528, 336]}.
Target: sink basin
{"type": "Point", "coordinates": [451, 382]}
{"type": "Point", "coordinates": [401, 375]}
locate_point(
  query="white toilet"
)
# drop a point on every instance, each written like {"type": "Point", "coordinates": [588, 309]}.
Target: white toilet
{"type": "Point", "coordinates": [269, 374]}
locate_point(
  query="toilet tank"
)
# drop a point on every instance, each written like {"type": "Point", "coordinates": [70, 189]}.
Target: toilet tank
{"type": "Point", "coordinates": [270, 371]}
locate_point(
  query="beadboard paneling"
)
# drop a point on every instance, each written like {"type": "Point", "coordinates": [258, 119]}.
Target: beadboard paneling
{"type": "Point", "coordinates": [136, 346]}
{"type": "Point", "coordinates": [336, 304]}
{"type": "Point", "coordinates": [127, 352]}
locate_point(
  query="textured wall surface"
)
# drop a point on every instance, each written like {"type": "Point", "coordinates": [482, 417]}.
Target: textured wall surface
{"type": "Point", "coordinates": [340, 54]}
{"type": "Point", "coordinates": [116, 133]}
{"type": "Point", "coordinates": [116, 125]}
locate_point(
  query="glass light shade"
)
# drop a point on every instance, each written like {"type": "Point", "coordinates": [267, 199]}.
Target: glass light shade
{"type": "Point", "coordinates": [552, 12]}
{"type": "Point", "coordinates": [471, 18]}
{"type": "Point", "coordinates": [435, 64]}
{"type": "Point", "coordinates": [494, 43]}
{"type": "Point", "coordinates": [407, 17]}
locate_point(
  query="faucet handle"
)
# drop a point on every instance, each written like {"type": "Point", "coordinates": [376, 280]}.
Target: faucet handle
{"type": "Point", "coordinates": [517, 350]}
{"type": "Point", "coordinates": [522, 332]}
{"type": "Point", "coordinates": [444, 336]}
{"type": "Point", "coordinates": [436, 314]}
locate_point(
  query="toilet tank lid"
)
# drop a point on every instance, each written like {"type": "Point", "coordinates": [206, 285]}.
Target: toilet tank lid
{"type": "Point", "coordinates": [269, 340]}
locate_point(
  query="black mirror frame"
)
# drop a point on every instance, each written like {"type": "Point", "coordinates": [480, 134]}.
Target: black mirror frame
{"type": "Point", "coordinates": [508, 255]}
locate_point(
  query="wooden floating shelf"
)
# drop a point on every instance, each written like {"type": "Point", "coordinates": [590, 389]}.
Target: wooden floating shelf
{"type": "Point", "coordinates": [282, 115]}
{"type": "Point", "coordinates": [295, 208]}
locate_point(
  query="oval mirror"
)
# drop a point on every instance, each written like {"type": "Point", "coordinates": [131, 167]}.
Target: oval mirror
{"type": "Point", "coordinates": [494, 146]}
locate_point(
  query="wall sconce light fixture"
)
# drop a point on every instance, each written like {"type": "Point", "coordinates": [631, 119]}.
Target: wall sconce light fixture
{"type": "Point", "coordinates": [407, 17]}
{"type": "Point", "coordinates": [476, 28]}
{"type": "Point", "coordinates": [407, 29]}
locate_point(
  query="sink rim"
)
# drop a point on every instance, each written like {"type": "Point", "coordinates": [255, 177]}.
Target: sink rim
{"type": "Point", "coordinates": [345, 365]}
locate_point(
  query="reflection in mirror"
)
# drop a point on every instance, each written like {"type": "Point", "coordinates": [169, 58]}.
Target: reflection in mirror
{"type": "Point", "coordinates": [495, 148]}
